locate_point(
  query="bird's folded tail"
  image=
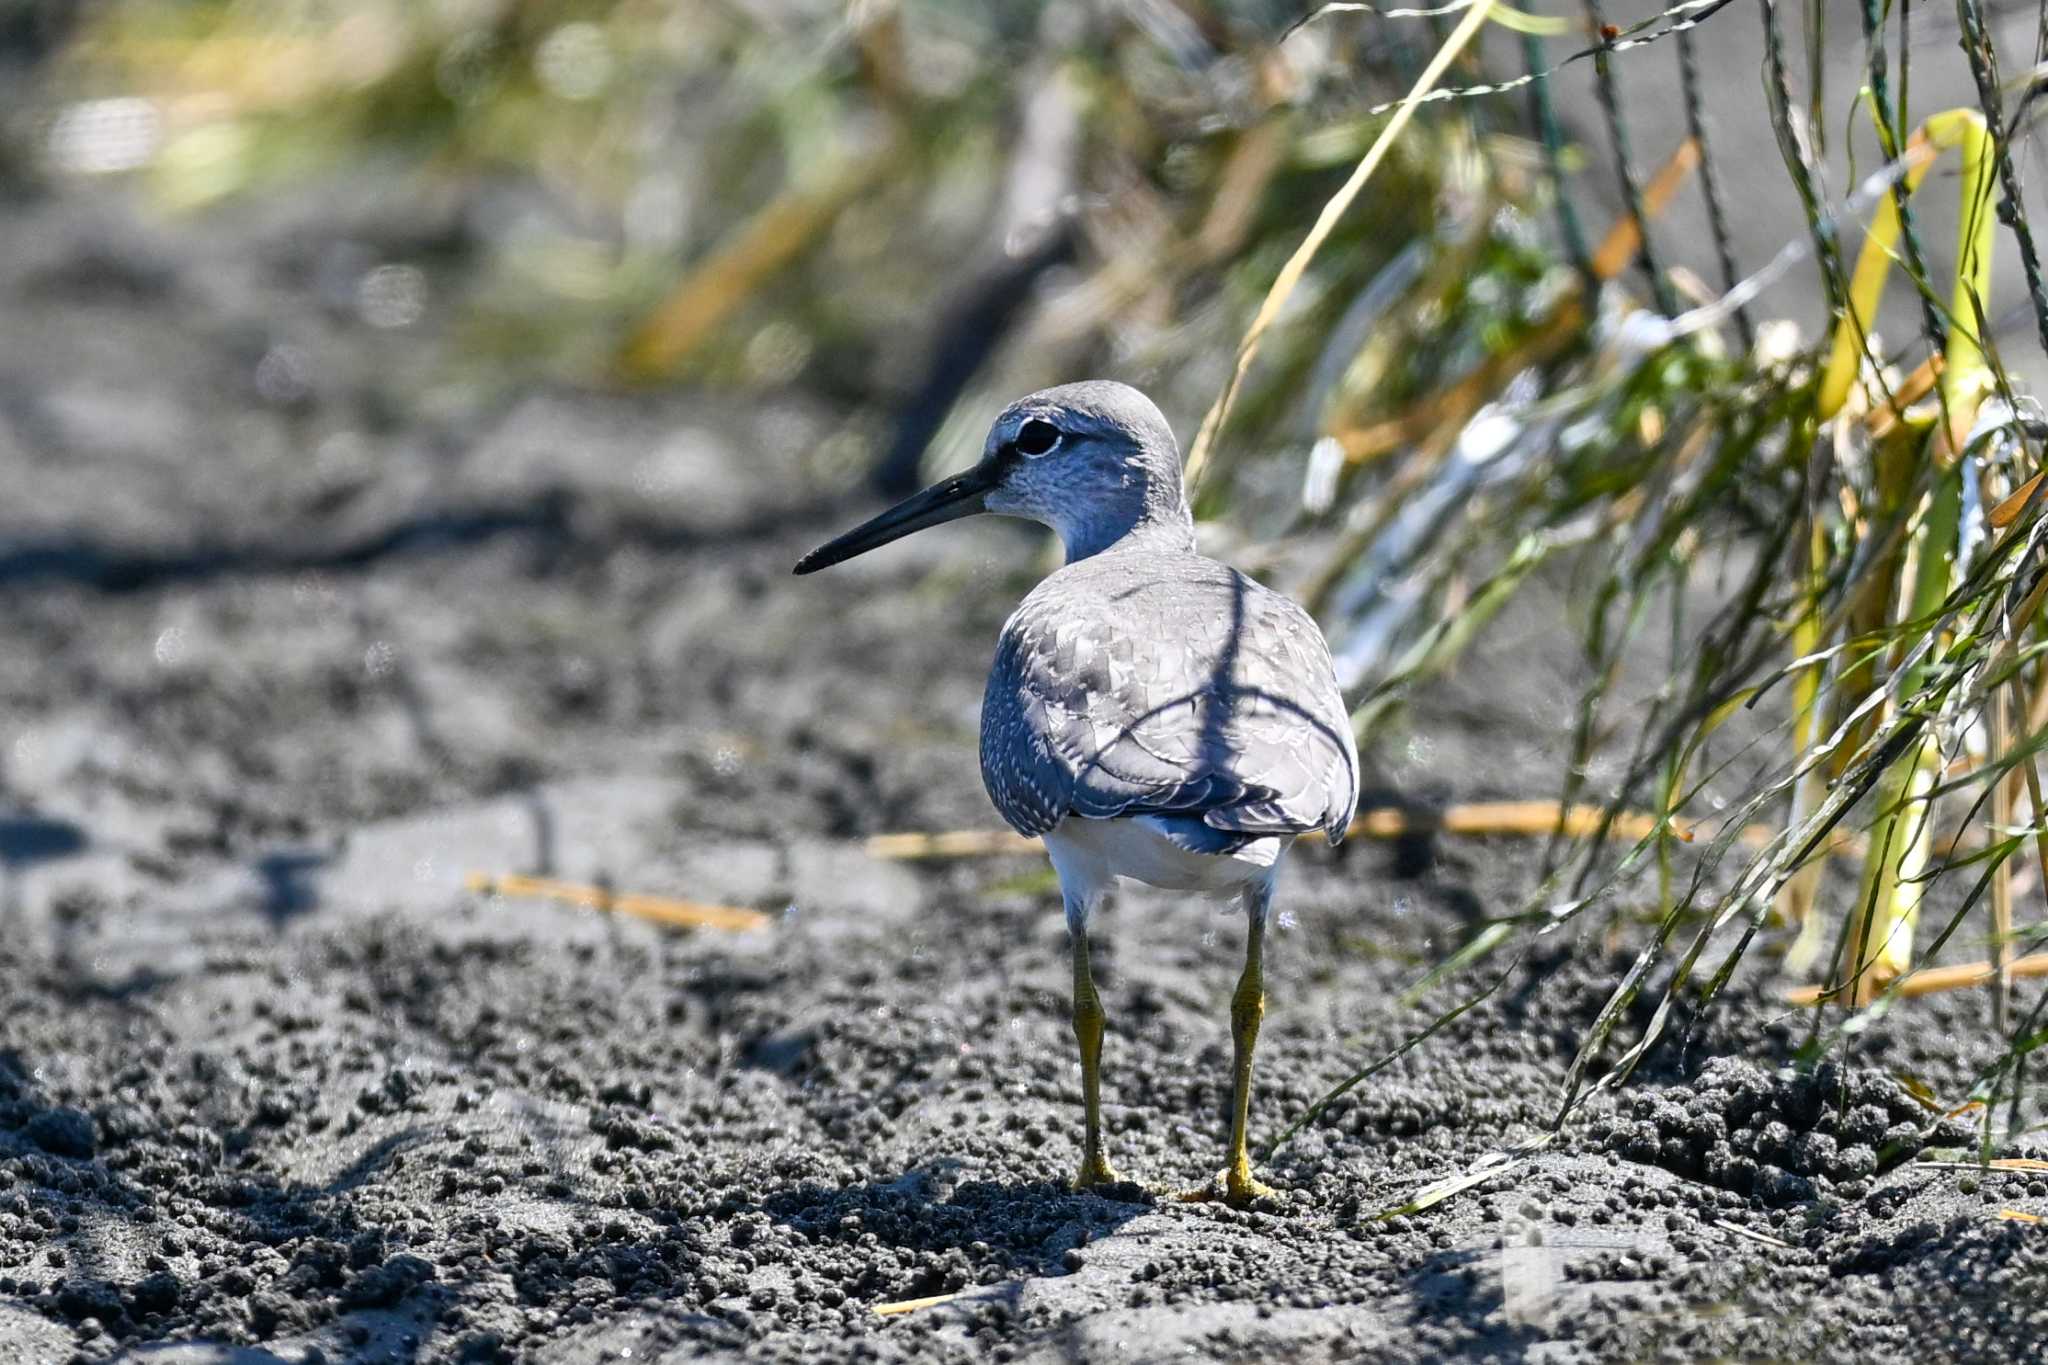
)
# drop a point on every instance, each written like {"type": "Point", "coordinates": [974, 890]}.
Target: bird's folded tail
{"type": "Point", "coordinates": [1266, 818]}
{"type": "Point", "coordinates": [1194, 834]}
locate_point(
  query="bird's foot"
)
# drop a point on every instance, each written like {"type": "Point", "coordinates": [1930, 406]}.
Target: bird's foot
{"type": "Point", "coordinates": [1096, 1170]}
{"type": "Point", "coordinates": [1233, 1185]}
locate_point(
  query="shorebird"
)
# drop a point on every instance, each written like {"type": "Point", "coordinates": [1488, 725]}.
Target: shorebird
{"type": "Point", "coordinates": [1151, 713]}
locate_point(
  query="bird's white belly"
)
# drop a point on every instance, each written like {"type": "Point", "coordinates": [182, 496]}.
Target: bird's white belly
{"type": "Point", "coordinates": [1090, 854]}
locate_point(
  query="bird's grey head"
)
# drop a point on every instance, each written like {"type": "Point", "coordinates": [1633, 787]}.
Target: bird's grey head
{"type": "Point", "coordinates": [1095, 461]}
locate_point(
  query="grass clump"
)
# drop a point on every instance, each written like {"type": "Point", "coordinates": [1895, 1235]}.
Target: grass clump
{"type": "Point", "coordinates": [1867, 689]}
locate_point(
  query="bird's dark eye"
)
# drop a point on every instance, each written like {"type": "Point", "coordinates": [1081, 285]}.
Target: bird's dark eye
{"type": "Point", "coordinates": [1037, 437]}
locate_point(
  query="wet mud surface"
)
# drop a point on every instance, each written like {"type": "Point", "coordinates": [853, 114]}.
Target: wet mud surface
{"type": "Point", "coordinates": [281, 667]}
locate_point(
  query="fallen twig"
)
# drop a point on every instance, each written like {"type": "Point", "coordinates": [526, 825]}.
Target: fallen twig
{"type": "Point", "coordinates": [1931, 980]}
{"type": "Point", "coordinates": [660, 909]}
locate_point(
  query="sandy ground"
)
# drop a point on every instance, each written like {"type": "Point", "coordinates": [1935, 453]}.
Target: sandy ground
{"type": "Point", "coordinates": [300, 626]}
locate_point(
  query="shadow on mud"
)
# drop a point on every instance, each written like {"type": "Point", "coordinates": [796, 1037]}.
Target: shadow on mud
{"type": "Point", "coordinates": [555, 518]}
{"type": "Point", "coordinates": [27, 840]}
{"type": "Point", "coordinates": [290, 884]}
{"type": "Point", "coordinates": [1469, 1287]}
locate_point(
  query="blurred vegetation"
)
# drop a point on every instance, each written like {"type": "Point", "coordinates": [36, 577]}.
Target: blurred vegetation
{"type": "Point", "coordinates": [918, 209]}
{"type": "Point", "coordinates": [765, 195]}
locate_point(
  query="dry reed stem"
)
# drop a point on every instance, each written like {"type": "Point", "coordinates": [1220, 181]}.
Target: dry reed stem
{"type": "Point", "coordinates": [774, 237]}
{"type": "Point", "coordinates": [659, 909]}
{"type": "Point", "coordinates": [1516, 817]}
{"type": "Point", "coordinates": [1763, 1238]}
{"type": "Point", "coordinates": [1457, 403]}
{"type": "Point", "coordinates": [1258, 155]}
{"type": "Point", "coordinates": [1619, 247]}
{"type": "Point", "coordinates": [890, 1310]}
{"type": "Point", "coordinates": [1881, 421]}
{"type": "Point", "coordinates": [1932, 980]}
{"type": "Point", "coordinates": [2008, 511]}
{"type": "Point", "coordinates": [1531, 818]}
{"type": "Point", "coordinates": [1453, 407]}
{"type": "Point", "coordinates": [1325, 224]}
{"type": "Point", "coordinates": [957, 843]}
{"type": "Point", "coordinates": [2003, 1163]}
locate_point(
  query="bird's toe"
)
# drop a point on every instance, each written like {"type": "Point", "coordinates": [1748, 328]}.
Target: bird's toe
{"type": "Point", "coordinates": [1237, 1188]}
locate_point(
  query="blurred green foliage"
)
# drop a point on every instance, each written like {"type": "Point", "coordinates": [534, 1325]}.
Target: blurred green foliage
{"type": "Point", "coordinates": [796, 192]}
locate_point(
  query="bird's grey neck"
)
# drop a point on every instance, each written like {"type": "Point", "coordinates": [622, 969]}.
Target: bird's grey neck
{"type": "Point", "coordinates": [1168, 528]}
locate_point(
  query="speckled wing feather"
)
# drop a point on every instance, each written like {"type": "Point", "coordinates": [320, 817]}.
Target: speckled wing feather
{"type": "Point", "coordinates": [1144, 684]}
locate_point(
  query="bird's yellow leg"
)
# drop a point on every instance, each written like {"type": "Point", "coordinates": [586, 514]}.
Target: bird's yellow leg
{"type": "Point", "coordinates": [1235, 1184]}
{"type": "Point", "coordinates": [1095, 1167]}
{"type": "Point", "coordinates": [1247, 1012]}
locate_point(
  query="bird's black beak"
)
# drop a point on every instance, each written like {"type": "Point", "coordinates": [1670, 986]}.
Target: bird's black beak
{"type": "Point", "coordinates": [948, 500]}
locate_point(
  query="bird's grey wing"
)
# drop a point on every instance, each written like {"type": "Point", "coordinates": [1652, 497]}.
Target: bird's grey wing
{"type": "Point", "coordinates": [1032, 787]}
{"type": "Point", "coordinates": [1240, 727]}
{"type": "Point", "coordinates": [1088, 713]}
{"type": "Point", "coordinates": [1290, 732]}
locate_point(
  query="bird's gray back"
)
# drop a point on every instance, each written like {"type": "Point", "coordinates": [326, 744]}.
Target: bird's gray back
{"type": "Point", "coordinates": [1137, 682]}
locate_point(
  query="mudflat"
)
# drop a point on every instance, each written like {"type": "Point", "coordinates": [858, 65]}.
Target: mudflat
{"type": "Point", "coordinates": [301, 624]}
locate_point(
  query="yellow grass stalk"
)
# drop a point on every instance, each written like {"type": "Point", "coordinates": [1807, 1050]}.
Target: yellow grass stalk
{"type": "Point", "coordinates": [1999, 719]}
{"type": "Point", "coordinates": [956, 843]}
{"type": "Point", "coordinates": [1802, 889]}
{"type": "Point", "coordinates": [1965, 376]}
{"type": "Point", "coordinates": [1887, 910]}
{"type": "Point", "coordinates": [1888, 902]}
{"type": "Point", "coordinates": [1886, 915]}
